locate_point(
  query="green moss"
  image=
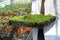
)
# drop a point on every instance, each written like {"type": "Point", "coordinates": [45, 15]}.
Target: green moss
{"type": "Point", "coordinates": [33, 18]}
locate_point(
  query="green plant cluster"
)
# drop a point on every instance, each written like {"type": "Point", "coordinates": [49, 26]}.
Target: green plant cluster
{"type": "Point", "coordinates": [15, 8]}
{"type": "Point", "coordinates": [33, 18]}
{"type": "Point", "coordinates": [17, 18]}
{"type": "Point", "coordinates": [7, 9]}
